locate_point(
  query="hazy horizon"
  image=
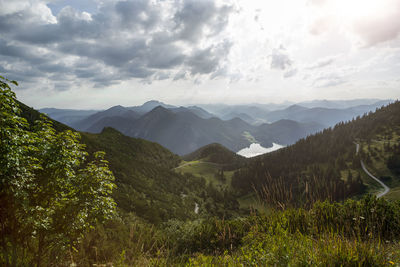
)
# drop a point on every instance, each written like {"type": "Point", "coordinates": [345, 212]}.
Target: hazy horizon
{"type": "Point", "coordinates": [283, 104]}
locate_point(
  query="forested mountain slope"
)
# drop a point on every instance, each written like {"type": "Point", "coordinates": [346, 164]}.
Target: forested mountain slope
{"type": "Point", "coordinates": [312, 168]}
{"type": "Point", "coordinates": [215, 153]}
{"type": "Point", "coordinates": [146, 182]}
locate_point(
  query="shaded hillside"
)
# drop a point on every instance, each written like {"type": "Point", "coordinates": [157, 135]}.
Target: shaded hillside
{"type": "Point", "coordinates": [287, 132]}
{"type": "Point", "coordinates": [195, 110]}
{"type": "Point", "coordinates": [224, 111]}
{"type": "Point", "coordinates": [122, 123]}
{"type": "Point", "coordinates": [184, 132]}
{"type": "Point", "coordinates": [243, 116]}
{"type": "Point", "coordinates": [146, 182]}
{"type": "Point", "coordinates": [149, 105]}
{"type": "Point", "coordinates": [96, 122]}
{"type": "Point", "coordinates": [123, 118]}
{"type": "Point", "coordinates": [215, 153]}
{"type": "Point", "coordinates": [143, 175]}
{"type": "Point", "coordinates": [311, 168]}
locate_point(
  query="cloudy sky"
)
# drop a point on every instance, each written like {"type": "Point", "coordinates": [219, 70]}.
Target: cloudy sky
{"type": "Point", "coordinates": [100, 53]}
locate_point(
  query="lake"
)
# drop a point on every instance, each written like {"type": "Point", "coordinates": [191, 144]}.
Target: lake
{"type": "Point", "coordinates": [256, 149]}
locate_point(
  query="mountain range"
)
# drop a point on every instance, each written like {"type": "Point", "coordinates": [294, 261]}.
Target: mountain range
{"type": "Point", "coordinates": [185, 129]}
{"type": "Point", "coordinates": [182, 131]}
{"type": "Point", "coordinates": [147, 184]}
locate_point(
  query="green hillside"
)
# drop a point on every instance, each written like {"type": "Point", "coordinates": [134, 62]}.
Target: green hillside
{"type": "Point", "coordinates": [315, 168]}
{"type": "Point", "coordinates": [382, 154]}
{"type": "Point", "coordinates": [147, 184]}
{"type": "Point", "coordinates": [215, 153]}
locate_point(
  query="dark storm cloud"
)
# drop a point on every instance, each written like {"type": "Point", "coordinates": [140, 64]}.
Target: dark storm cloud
{"type": "Point", "coordinates": [114, 54]}
{"type": "Point", "coordinates": [70, 25]}
{"type": "Point", "coordinates": [53, 68]}
{"type": "Point", "coordinates": [203, 62]}
{"type": "Point", "coordinates": [206, 61]}
{"type": "Point", "coordinates": [133, 70]}
{"type": "Point", "coordinates": [124, 39]}
{"type": "Point", "coordinates": [17, 52]}
{"type": "Point", "coordinates": [18, 72]}
{"type": "Point", "coordinates": [139, 14]}
{"type": "Point", "coordinates": [163, 56]}
{"type": "Point", "coordinates": [195, 16]}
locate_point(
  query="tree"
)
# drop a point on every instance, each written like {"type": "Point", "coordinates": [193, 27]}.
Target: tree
{"type": "Point", "coordinates": [50, 194]}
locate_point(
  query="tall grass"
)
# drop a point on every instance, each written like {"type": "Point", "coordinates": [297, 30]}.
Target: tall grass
{"type": "Point", "coordinates": [352, 233]}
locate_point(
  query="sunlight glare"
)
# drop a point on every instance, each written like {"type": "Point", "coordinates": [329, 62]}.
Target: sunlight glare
{"type": "Point", "coordinates": [354, 10]}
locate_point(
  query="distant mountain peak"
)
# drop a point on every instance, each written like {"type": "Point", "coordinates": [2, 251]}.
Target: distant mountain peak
{"type": "Point", "coordinates": [117, 107]}
{"type": "Point", "coordinates": [153, 102]}
{"type": "Point", "coordinates": [215, 153]}
{"type": "Point", "coordinates": [159, 108]}
{"type": "Point", "coordinates": [296, 107]}
{"type": "Point", "coordinates": [149, 105]}
{"type": "Point", "coordinates": [237, 120]}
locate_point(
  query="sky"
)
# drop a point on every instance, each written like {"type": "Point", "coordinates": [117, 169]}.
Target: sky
{"type": "Point", "coordinates": [94, 54]}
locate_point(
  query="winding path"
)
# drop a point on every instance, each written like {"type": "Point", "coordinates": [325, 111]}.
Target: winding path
{"type": "Point", "coordinates": [385, 187]}
{"type": "Point", "coordinates": [381, 194]}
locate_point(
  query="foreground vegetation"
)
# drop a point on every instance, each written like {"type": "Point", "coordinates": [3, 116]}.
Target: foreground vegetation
{"type": "Point", "coordinates": [353, 233]}
{"type": "Point", "coordinates": [51, 191]}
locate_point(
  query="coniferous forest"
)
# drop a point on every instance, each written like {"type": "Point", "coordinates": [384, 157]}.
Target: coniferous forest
{"type": "Point", "coordinates": [311, 169]}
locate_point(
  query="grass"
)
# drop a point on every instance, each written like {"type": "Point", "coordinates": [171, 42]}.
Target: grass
{"type": "Point", "coordinates": [331, 234]}
{"type": "Point", "coordinates": [252, 202]}
{"type": "Point", "coordinates": [378, 167]}
{"type": "Point", "coordinates": [394, 193]}
{"type": "Point", "coordinates": [350, 233]}
{"type": "Point", "coordinates": [345, 174]}
{"type": "Point", "coordinates": [208, 171]}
